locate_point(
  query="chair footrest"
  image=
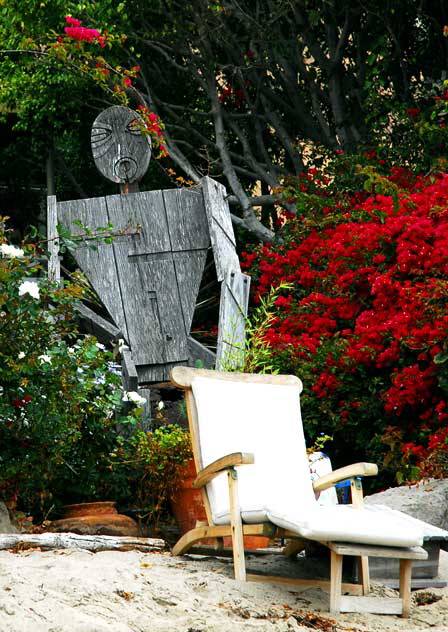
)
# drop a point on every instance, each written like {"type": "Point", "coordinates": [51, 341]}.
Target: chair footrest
{"type": "Point", "coordinates": [371, 550]}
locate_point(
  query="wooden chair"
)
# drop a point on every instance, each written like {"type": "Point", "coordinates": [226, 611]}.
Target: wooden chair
{"type": "Point", "coordinates": [254, 420]}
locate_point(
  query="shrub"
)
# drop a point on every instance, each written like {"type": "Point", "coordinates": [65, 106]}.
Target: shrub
{"type": "Point", "coordinates": [367, 315]}
{"type": "Point", "coordinates": [60, 399]}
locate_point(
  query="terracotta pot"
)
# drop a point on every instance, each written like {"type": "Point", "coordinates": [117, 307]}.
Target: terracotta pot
{"type": "Point", "coordinates": [99, 518]}
{"type": "Point", "coordinates": [89, 509]}
{"type": "Point", "coordinates": [188, 509]}
{"type": "Point", "coordinates": [187, 505]}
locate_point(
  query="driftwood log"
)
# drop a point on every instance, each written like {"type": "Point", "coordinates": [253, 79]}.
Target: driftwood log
{"type": "Point", "coordinates": [93, 543]}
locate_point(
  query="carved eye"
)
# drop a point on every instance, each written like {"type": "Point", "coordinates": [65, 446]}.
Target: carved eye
{"type": "Point", "coordinates": [100, 134]}
{"type": "Point", "coordinates": [134, 128]}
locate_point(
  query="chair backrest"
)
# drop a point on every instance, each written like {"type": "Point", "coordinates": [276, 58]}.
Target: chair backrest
{"type": "Point", "coordinates": [235, 412]}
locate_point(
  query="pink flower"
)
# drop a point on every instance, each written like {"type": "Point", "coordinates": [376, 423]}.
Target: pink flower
{"type": "Point", "coordinates": [72, 21]}
{"type": "Point", "coordinates": [82, 34]}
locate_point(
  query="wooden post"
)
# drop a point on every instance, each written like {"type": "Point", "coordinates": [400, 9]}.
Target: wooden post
{"type": "Point", "coordinates": [232, 322]}
{"type": "Point", "coordinates": [405, 586]}
{"type": "Point", "coordinates": [335, 582]}
{"type": "Point", "coordinates": [54, 268]}
{"type": "Point", "coordinates": [363, 560]}
{"type": "Point", "coordinates": [237, 526]}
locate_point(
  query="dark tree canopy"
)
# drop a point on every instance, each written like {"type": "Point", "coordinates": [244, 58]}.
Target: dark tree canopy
{"type": "Point", "coordinates": [251, 92]}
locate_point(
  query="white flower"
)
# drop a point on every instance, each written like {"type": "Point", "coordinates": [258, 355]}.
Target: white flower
{"type": "Point", "coordinates": [21, 355]}
{"type": "Point", "coordinates": [71, 350]}
{"type": "Point", "coordinates": [121, 344]}
{"type": "Point", "coordinates": [161, 405]}
{"type": "Point", "coordinates": [29, 287]}
{"type": "Point", "coordinates": [44, 358]}
{"type": "Point", "coordinates": [11, 251]}
{"type": "Point", "coordinates": [100, 346]}
{"type": "Point", "coordinates": [135, 398]}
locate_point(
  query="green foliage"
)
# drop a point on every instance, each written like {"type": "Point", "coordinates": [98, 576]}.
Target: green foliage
{"type": "Point", "coordinates": [257, 356]}
{"type": "Point", "coordinates": [60, 396]}
{"type": "Point", "coordinates": [155, 463]}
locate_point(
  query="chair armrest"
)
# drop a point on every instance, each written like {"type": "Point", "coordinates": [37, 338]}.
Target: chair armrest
{"type": "Point", "coordinates": [224, 463]}
{"type": "Point", "coordinates": [343, 473]}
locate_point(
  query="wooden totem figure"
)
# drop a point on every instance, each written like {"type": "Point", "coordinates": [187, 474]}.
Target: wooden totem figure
{"type": "Point", "coordinates": [148, 278]}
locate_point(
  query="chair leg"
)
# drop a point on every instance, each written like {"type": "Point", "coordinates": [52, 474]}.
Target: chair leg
{"type": "Point", "coordinates": [335, 583]}
{"type": "Point", "coordinates": [405, 586]}
{"type": "Point", "coordinates": [363, 564]}
{"type": "Point", "coordinates": [239, 563]}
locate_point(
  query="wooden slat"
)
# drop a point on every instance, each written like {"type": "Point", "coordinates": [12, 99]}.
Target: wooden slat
{"type": "Point", "coordinates": [54, 268]}
{"type": "Point", "coordinates": [98, 265]}
{"type": "Point", "coordinates": [335, 582]}
{"type": "Point", "coordinates": [239, 564]}
{"type": "Point", "coordinates": [363, 560]}
{"type": "Point", "coordinates": [220, 227]}
{"type": "Point", "coordinates": [346, 548]}
{"type": "Point", "coordinates": [103, 329]}
{"type": "Point", "coordinates": [186, 219]}
{"type": "Point", "coordinates": [129, 372]}
{"type": "Point", "coordinates": [225, 462]}
{"type": "Point", "coordinates": [356, 469]}
{"type": "Point", "coordinates": [301, 584]}
{"type": "Point", "coordinates": [188, 270]}
{"type": "Point", "coordinates": [219, 531]}
{"type": "Point", "coordinates": [198, 353]}
{"type": "Point", "coordinates": [182, 376]}
{"type": "Point", "coordinates": [372, 605]}
{"type": "Point", "coordinates": [232, 321]}
{"type": "Point", "coordinates": [405, 585]}
{"type": "Point", "coordinates": [140, 282]}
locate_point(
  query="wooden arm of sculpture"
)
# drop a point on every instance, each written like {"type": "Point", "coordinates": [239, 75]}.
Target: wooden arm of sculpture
{"type": "Point", "coordinates": [344, 473]}
{"type": "Point", "coordinates": [224, 463]}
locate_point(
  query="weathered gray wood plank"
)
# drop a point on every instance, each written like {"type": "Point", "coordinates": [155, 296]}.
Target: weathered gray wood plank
{"type": "Point", "coordinates": [54, 268]}
{"type": "Point", "coordinates": [186, 219]}
{"type": "Point", "coordinates": [128, 370]}
{"type": "Point", "coordinates": [104, 330]}
{"type": "Point", "coordinates": [220, 226]}
{"type": "Point", "coordinates": [197, 352]}
{"type": "Point", "coordinates": [157, 372]}
{"type": "Point", "coordinates": [149, 288]}
{"type": "Point", "coordinates": [232, 321]}
{"type": "Point", "coordinates": [99, 264]}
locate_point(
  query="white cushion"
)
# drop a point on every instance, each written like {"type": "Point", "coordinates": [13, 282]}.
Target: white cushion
{"type": "Point", "coordinates": [344, 523]}
{"type": "Point", "coordinates": [264, 419]}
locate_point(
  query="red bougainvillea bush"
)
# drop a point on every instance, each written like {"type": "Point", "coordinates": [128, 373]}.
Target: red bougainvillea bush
{"type": "Point", "coordinates": [365, 325]}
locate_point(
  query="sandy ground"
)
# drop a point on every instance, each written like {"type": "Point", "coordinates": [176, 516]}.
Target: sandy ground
{"type": "Point", "coordinates": [79, 591]}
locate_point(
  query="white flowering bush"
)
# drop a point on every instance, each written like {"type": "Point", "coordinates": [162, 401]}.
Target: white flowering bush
{"type": "Point", "coordinates": [60, 402]}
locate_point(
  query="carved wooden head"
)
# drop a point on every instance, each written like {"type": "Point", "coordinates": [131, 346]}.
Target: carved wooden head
{"type": "Point", "coordinates": [120, 150]}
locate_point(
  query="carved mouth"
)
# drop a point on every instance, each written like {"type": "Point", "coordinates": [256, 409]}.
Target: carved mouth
{"type": "Point", "coordinates": [125, 169]}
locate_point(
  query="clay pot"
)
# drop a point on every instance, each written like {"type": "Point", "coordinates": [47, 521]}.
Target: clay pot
{"type": "Point", "coordinates": [98, 518]}
{"type": "Point", "coordinates": [89, 509]}
{"type": "Point", "coordinates": [188, 509]}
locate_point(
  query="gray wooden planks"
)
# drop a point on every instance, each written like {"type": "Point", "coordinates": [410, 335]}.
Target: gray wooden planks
{"type": "Point", "coordinates": [54, 268]}
{"type": "Point", "coordinates": [232, 321]}
{"type": "Point", "coordinates": [220, 228]}
{"type": "Point", "coordinates": [98, 264]}
{"type": "Point", "coordinates": [149, 281]}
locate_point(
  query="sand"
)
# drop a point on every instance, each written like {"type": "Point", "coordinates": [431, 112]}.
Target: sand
{"type": "Point", "coordinates": [79, 591]}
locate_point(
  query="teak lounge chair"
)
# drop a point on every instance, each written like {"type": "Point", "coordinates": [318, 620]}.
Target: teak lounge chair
{"type": "Point", "coordinates": [254, 420]}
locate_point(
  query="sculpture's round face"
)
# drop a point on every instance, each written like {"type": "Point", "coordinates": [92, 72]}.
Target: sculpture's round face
{"type": "Point", "coordinates": [120, 150]}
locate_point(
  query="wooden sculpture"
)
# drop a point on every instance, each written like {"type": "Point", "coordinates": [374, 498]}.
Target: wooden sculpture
{"type": "Point", "coordinates": [149, 277]}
